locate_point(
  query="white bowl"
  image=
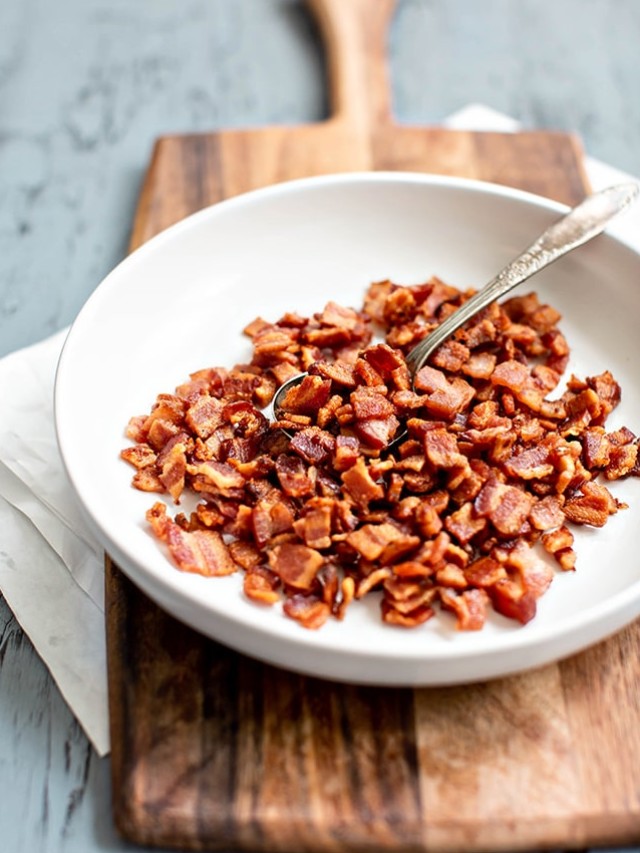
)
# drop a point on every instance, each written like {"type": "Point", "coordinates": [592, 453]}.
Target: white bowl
{"type": "Point", "coordinates": [179, 304]}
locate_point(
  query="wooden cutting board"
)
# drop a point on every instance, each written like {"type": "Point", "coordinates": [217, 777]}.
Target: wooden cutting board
{"type": "Point", "coordinates": [212, 750]}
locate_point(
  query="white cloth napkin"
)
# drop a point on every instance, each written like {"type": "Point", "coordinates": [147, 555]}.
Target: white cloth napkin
{"type": "Point", "coordinates": [51, 568]}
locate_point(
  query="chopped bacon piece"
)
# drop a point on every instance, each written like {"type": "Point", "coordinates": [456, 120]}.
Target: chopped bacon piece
{"type": "Point", "coordinates": [314, 528]}
{"type": "Point", "coordinates": [530, 464]}
{"type": "Point", "coordinates": [217, 477]}
{"type": "Point", "coordinates": [377, 433]}
{"type": "Point", "coordinates": [204, 415]}
{"type": "Point", "coordinates": [559, 543]}
{"type": "Point", "coordinates": [296, 565]}
{"type": "Point", "coordinates": [451, 356]}
{"type": "Point", "coordinates": [507, 507]}
{"type": "Point", "coordinates": [479, 365]}
{"type": "Point", "coordinates": [441, 450]}
{"type": "Point", "coordinates": [385, 360]}
{"type": "Point", "coordinates": [339, 372]}
{"type": "Point", "coordinates": [293, 476]}
{"type": "Point", "coordinates": [200, 551]}
{"type": "Point", "coordinates": [172, 464]}
{"type": "Point", "coordinates": [547, 513]}
{"type": "Point", "coordinates": [375, 298]}
{"type": "Point", "coordinates": [535, 575]}
{"type": "Point", "coordinates": [306, 398]}
{"type": "Point", "coordinates": [381, 542]}
{"type": "Point", "coordinates": [147, 480]}
{"type": "Point", "coordinates": [336, 315]}
{"type": "Point", "coordinates": [392, 616]}
{"type": "Point", "coordinates": [470, 607]}
{"type": "Point", "coordinates": [622, 461]}
{"type": "Point", "coordinates": [484, 572]}
{"type": "Point", "coordinates": [245, 554]}
{"type": "Point", "coordinates": [140, 456]}
{"type": "Point", "coordinates": [261, 585]}
{"type": "Point", "coordinates": [313, 444]}
{"type": "Point", "coordinates": [509, 599]}
{"type": "Point", "coordinates": [464, 525]}
{"type": "Point", "coordinates": [593, 506]}
{"type": "Point", "coordinates": [360, 486]}
{"type": "Point", "coordinates": [309, 611]}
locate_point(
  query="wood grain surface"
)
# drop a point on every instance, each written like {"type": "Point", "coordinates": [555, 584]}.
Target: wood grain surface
{"type": "Point", "coordinates": [212, 750]}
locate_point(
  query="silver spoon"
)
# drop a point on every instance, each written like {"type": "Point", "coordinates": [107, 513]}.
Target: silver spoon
{"type": "Point", "coordinates": [581, 224]}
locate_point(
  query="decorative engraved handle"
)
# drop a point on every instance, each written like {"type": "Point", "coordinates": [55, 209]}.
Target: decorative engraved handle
{"type": "Point", "coordinates": [581, 224]}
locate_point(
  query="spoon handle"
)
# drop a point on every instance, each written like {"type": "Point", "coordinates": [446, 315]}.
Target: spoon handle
{"type": "Point", "coordinates": [578, 226]}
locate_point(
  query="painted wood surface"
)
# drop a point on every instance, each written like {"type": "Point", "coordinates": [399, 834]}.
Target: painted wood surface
{"type": "Point", "coordinates": [85, 88]}
{"type": "Point", "coordinates": [213, 750]}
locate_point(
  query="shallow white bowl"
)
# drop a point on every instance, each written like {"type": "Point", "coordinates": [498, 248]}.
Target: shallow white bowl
{"type": "Point", "coordinates": [179, 304]}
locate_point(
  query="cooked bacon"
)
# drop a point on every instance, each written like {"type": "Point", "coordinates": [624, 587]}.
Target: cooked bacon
{"type": "Point", "coordinates": [306, 398]}
{"type": "Point", "coordinates": [547, 513]}
{"type": "Point", "coordinates": [593, 506]}
{"type": "Point", "coordinates": [441, 449]}
{"type": "Point", "coordinates": [479, 365]}
{"type": "Point", "coordinates": [147, 480]}
{"type": "Point", "coordinates": [464, 524]}
{"type": "Point", "coordinates": [382, 542]}
{"type": "Point", "coordinates": [470, 607]}
{"type": "Point", "coordinates": [309, 611]}
{"type": "Point", "coordinates": [171, 464]}
{"type": "Point", "coordinates": [507, 507]}
{"type": "Point", "coordinates": [140, 456]}
{"type": "Point", "coordinates": [261, 585]}
{"type": "Point", "coordinates": [392, 616]}
{"type": "Point", "coordinates": [296, 565]}
{"type": "Point", "coordinates": [451, 356]}
{"type": "Point", "coordinates": [340, 373]}
{"type": "Point", "coordinates": [484, 572]}
{"type": "Point", "coordinates": [314, 528]}
{"type": "Point", "coordinates": [509, 599]}
{"type": "Point", "coordinates": [245, 554]}
{"type": "Point", "coordinates": [359, 484]}
{"type": "Point", "coordinates": [336, 509]}
{"type": "Point", "coordinates": [535, 575]}
{"type": "Point", "coordinates": [204, 415]}
{"type": "Point", "coordinates": [530, 464]}
{"type": "Point", "coordinates": [202, 552]}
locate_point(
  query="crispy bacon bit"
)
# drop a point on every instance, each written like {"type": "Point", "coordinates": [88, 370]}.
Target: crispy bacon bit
{"type": "Point", "coordinates": [245, 554]}
{"type": "Point", "coordinates": [464, 525]}
{"type": "Point", "coordinates": [307, 397]}
{"type": "Point", "coordinates": [309, 611]}
{"type": "Point", "coordinates": [512, 601]}
{"type": "Point", "coordinates": [593, 506]}
{"type": "Point", "coordinates": [314, 528]}
{"type": "Point", "coordinates": [359, 484]}
{"type": "Point", "coordinates": [338, 510]}
{"type": "Point", "coordinates": [296, 565]}
{"type": "Point", "coordinates": [470, 607]}
{"type": "Point", "coordinates": [140, 456]}
{"type": "Point", "coordinates": [381, 542]}
{"type": "Point", "coordinates": [507, 507]}
{"type": "Point", "coordinates": [200, 551]}
{"type": "Point", "coordinates": [392, 616]}
{"type": "Point", "coordinates": [261, 585]}
{"type": "Point", "coordinates": [546, 513]}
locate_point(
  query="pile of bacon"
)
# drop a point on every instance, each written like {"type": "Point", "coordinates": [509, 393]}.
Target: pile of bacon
{"type": "Point", "coordinates": [447, 517]}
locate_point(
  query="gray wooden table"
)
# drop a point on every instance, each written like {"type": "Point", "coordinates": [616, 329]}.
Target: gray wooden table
{"type": "Point", "coordinates": [86, 85]}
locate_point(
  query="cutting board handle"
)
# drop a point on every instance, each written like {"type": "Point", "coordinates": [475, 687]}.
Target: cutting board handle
{"type": "Point", "coordinates": [355, 37]}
